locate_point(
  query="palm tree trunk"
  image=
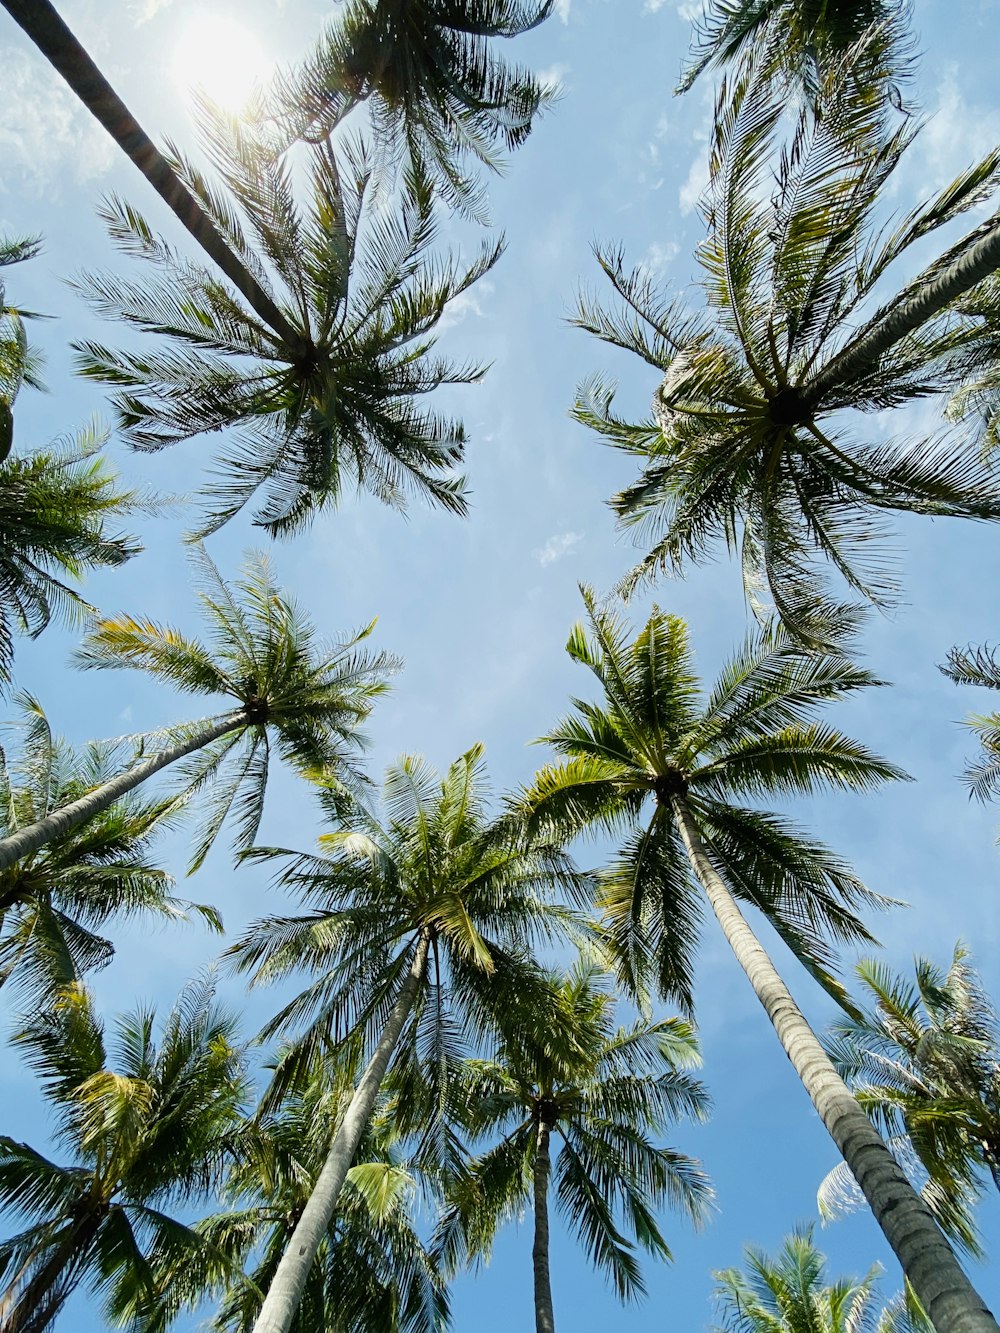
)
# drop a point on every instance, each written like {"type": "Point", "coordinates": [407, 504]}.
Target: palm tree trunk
{"type": "Point", "coordinates": [927, 1259]}
{"type": "Point", "coordinates": [544, 1318]}
{"type": "Point", "coordinates": [58, 822]}
{"type": "Point", "coordinates": [978, 256]}
{"type": "Point", "coordinates": [41, 22]}
{"type": "Point", "coordinates": [285, 1292]}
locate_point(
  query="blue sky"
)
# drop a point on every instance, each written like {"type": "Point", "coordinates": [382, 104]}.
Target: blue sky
{"type": "Point", "coordinates": [480, 609]}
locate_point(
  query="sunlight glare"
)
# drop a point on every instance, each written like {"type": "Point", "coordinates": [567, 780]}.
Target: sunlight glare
{"type": "Point", "coordinates": [222, 58]}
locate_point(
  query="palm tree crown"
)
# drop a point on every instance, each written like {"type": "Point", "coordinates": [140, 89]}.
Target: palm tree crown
{"type": "Point", "coordinates": [18, 364]}
{"type": "Point", "coordinates": [59, 510]}
{"type": "Point", "coordinates": [749, 445]}
{"type": "Point", "coordinates": [151, 1134]}
{"type": "Point", "coordinates": [606, 1095]}
{"type": "Point", "coordinates": [302, 696]}
{"type": "Point", "coordinates": [923, 1058]}
{"type": "Point", "coordinates": [788, 1295]}
{"type": "Point", "coordinates": [654, 736]}
{"type": "Point", "coordinates": [433, 84]}
{"type": "Point", "coordinates": [52, 901]}
{"type": "Point", "coordinates": [364, 296]}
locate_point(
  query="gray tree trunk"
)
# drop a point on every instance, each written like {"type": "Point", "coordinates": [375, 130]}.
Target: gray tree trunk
{"type": "Point", "coordinates": [288, 1284]}
{"type": "Point", "coordinates": [927, 1259]}
{"type": "Point", "coordinates": [54, 825]}
{"type": "Point", "coordinates": [923, 298]}
{"type": "Point", "coordinates": [544, 1318]}
{"type": "Point", "coordinates": [41, 22]}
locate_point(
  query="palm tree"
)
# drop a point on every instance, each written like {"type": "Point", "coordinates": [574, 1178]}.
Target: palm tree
{"type": "Point", "coordinates": [653, 738]}
{"type": "Point", "coordinates": [153, 1134]}
{"type": "Point", "coordinates": [18, 364]}
{"type": "Point", "coordinates": [321, 353]}
{"type": "Point", "coordinates": [801, 42]}
{"type": "Point", "coordinates": [788, 1295]}
{"type": "Point", "coordinates": [360, 282]}
{"type": "Point", "coordinates": [605, 1095]}
{"type": "Point", "coordinates": [372, 1272]}
{"type": "Point", "coordinates": [923, 1059]}
{"type": "Point", "coordinates": [738, 451]}
{"type": "Point", "coordinates": [979, 666]}
{"type": "Point", "coordinates": [303, 696]}
{"type": "Point", "coordinates": [52, 901]}
{"type": "Point", "coordinates": [420, 934]}
{"type": "Point", "coordinates": [434, 88]}
{"type": "Point", "coordinates": [57, 507]}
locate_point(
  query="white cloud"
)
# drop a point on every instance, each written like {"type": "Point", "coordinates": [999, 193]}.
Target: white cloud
{"type": "Point", "coordinates": [689, 11]}
{"type": "Point", "coordinates": [45, 133]}
{"type": "Point", "coordinates": [143, 10]}
{"type": "Point", "coordinates": [652, 6]}
{"type": "Point", "coordinates": [466, 303]}
{"type": "Point", "coordinates": [554, 77]}
{"type": "Point", "coordinates": [556, 547]}
{"type": "Point", "coordinates": [697, 178]}
{"type": "Point", "coordinates": [658, 257]}
{"type": "Point", "coordinates": [563, 8]}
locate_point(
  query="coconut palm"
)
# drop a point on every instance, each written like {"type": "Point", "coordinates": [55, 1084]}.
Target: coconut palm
{"type": "Point", "coordinates": [59, 511]}
{"type": "Point", "coordinates": [53, 901]}
{"type": "Point", "coordinates": [602, 1096]}
{"type": "Point", "coordinates": [18, 364]}
{"type": "Point", "coordinates": [802, 41]}
{"type": "Point", "coordinates": [420, 935]}
{"type": "Point", "coordinates": [923, 1058]}
{"type": "Point", "coordinates": [365, 291]}
{"type": "Point", "coordinates": [750, 445]}
{"type": "Point", "coordinates": [979, 666]}
{"type": "Point", "coordinates": [434, 87]}
{"type": "Point", "coordinates": [669, 768]}
{"type": "Point", "coordinates": [372, 1272]}
{"type": "Point", "coordinates": [151, 1134]}
{"type": "Point", "coordinates": [304, 697]}
{"type": "Point", "coordinates": [321, 354]}
{"type": "Point", "coordinates": [788, 1295]}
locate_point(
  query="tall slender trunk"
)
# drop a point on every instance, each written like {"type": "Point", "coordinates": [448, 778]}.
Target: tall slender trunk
{"type": "Point", "coordinates": [288, 1284]}
{"type": "Point", "coordinates": [41, 22]}
{"type": "Point", "coordinates": [58, 822]}
{"type": "Point", "coordinates": [926, 296]}
{"type": "Point", "coordinates": [544, 1318]}
{"type": "Point", "coordinates": [927, 1259]}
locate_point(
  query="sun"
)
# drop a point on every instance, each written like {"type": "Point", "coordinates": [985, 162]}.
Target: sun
{"type": "Point", "coordinates": [220, 57]}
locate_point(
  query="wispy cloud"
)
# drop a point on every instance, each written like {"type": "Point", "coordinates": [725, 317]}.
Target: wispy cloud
{"type": "Point", "coordinates": [45, 134]}
{"type": "Point", "coordinates": [554, 77]}
{"type": "Point", "coordinates": [562, 9]}
{"type": "Point", "coordinates": [556, 547]}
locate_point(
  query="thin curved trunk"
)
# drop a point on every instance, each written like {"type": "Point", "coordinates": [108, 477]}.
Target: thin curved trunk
{"type": "Point", "coordinates": [288, 1284]}
{"type": "Point", "coordinates": [58, 822]}
{"type": "Point", "coordinates": [40, 20]}
{"type": "Point", "coordinates": [925, 297]}
{"type": "Point", "coordinates": [544, 1318]}
{"type": "Point", "coordinates": [927, 1259]}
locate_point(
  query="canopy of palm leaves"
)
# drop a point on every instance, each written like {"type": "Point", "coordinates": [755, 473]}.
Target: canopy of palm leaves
{"type": "Point", "coordinates": [655, 734]}
{"type": "Point", "coordinates": [437, 867]}
{"type": "Point", "coordinates": [607, 1094]}
{"type": "Point", "coordinates": [364, 294]}
{"type": "Point", "coordinates": [52, 901]}
{"type": "Point", "coordinates": [304, 696]}
{"type": "Point", "coordinates": [435, 88]}
{"type": "Point", "coordinates": [152, 1134]}
{"type": "Point", "coordinates": [979, 666]}
{"type": "Point", "coordinates": [18, 364]}
{"type": "Point", "coordinates": [923, 1059]}
{"type": "Point", "coordinates": [788, 1295]}
{"type": "Point", "coordinates": [741, 451]}
{"type": "Point", "coordinates": [57, 508]}
{"type": "Point", "coordinates": [800, 41]}
{"type": "Point", "coordinates": [373, 1274]}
